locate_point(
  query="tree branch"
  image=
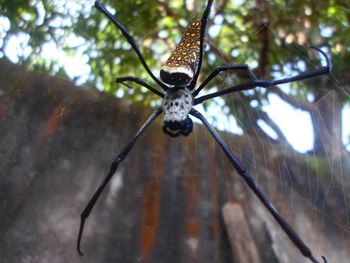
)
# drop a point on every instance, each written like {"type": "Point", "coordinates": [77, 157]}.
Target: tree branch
{"type": "Point", "coordinates": [266, 118]}
{"type": "Point", "coordinates": [292, 100]}
{"type": "Point", "coordinates": [213, 46]}
{"type": "Point", "coordinates": [221, 8]}
{"type": "Point", "coordinates": [252, 116]}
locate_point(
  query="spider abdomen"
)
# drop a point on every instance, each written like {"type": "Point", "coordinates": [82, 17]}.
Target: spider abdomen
{"type": "Point", "coordinates": [176, 106]}
{"type": "Point", "coordinates": [180, 67]}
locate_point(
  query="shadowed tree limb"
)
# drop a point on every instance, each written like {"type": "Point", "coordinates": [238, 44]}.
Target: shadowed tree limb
{"type": "Point", "coordinates": [266, 118]}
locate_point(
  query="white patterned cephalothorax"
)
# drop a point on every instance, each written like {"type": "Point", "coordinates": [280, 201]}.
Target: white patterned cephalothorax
{"type": "Point", "coordinates": [176, 106]}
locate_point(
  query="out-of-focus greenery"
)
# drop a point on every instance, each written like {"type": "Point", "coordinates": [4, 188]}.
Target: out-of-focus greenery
{"type": "Point", "coordinates": [271, 36]}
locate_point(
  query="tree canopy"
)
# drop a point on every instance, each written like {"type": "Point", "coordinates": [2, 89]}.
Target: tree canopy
{"type": "Point", "coordinates": [272, 37]}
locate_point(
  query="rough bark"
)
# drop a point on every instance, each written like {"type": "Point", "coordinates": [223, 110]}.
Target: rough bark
{"type": "Point", "coordinates": [165, 201]}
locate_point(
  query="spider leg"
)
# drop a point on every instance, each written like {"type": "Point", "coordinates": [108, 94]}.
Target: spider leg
{"type": "Point", "coordinates": [267, 83]}
{"type": "Point", "coordinates": [121, 156]}
{"type": "Point", "coordinates": [204, 21]}
{"type": "Point", "coordinates": [131, 41]}
{"type": "Point", "coordinates": [221, 69]}
{"type": "Point", "coordinates": [140, 82]}
{"type": "Point", "coordinates": [242, 171]}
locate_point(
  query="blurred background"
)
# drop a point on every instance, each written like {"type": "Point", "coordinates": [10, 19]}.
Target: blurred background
{"type": "Point", "coordinates": [63, 119]}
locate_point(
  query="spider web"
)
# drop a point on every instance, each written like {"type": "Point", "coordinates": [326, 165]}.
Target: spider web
{"type": "Point", "coordinates": [167, 198]}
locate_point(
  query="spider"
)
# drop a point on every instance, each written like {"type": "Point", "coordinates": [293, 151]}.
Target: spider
{"type": "Point", "coordinates": [178, 81]}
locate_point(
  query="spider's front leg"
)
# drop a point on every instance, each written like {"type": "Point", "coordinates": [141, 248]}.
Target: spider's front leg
{"type": "Point", "coordinates": [86, 212]}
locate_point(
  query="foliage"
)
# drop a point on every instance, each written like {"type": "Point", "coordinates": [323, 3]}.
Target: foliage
{"type": "Point", "coordinates": [271, 36]}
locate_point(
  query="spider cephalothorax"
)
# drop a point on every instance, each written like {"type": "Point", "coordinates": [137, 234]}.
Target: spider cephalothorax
{"type": "Point", "coordinates": [177, 104]}
{"type": "Point", "coordinates": [179, 79]}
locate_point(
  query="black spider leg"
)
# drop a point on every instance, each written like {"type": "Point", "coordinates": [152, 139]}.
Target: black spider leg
{"type": "Point", "coordinates": [140, 82]}
{"type": "Point", "coordinates": [204, 22]}
{"type": "Point", "coordinates": [267, 83]}
{"type": "Point", "coordinates": [121, 156]}
{"type": "Point", "coordinates": [251, 184]}
{"type": "Point", "coordinates": [131, 41]}
{"type": "Point", "coordinates": [217, 71]}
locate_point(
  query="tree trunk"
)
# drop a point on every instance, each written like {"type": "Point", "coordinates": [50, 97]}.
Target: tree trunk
{"type": "Point", "coordinates": [172, 200]}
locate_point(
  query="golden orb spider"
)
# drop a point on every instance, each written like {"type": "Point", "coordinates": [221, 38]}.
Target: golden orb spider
{"type": "Point", "coordinates": [179, 80]}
